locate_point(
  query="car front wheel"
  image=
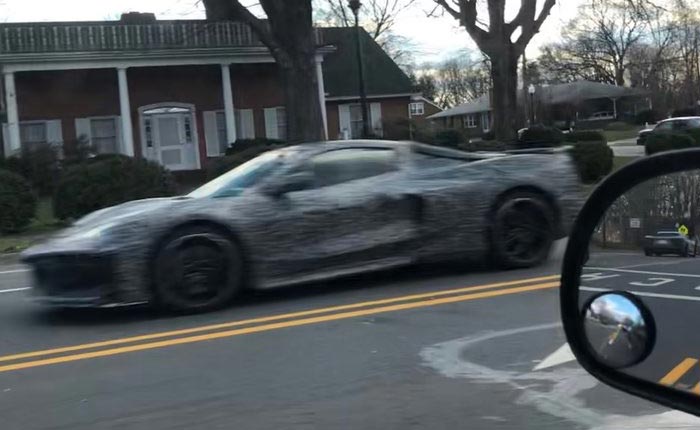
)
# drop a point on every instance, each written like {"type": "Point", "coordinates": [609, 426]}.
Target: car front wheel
{"type": "Point", "coordinates": [197, 269]}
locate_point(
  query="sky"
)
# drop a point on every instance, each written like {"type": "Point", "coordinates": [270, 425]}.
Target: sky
{"type": "Point", "coordinates": [434, 38]}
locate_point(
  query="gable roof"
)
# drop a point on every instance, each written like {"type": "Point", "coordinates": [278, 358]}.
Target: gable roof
{"type": "Point", "coordinates": [572, 92]}
{"type": "Point", "coordinates": [480, 104]}
{"type": "Point", "coordinates": [340, 72]}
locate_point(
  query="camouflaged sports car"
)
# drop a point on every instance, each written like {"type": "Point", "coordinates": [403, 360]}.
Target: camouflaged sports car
{"type": "Point", "coordinates": [311, 212]}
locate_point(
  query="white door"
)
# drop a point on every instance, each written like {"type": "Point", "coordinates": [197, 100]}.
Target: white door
{"type": "Point", "coordinates": [174, 140]}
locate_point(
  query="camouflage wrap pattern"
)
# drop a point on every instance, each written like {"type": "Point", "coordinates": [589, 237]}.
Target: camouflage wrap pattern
{"type": "Point", "coordinates": [436, 206]}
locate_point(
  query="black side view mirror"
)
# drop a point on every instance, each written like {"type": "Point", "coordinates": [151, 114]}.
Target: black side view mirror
{"type": "Point", "coordinates": [289, 183]}
{"type": "Point", "coordinates": [630, 293]}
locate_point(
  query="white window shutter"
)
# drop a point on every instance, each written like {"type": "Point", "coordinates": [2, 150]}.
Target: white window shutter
{"type": "Point", "coordinates": [211, 134]}
{"type": "Point", "coordinates": [54, 132]}
{"type": "Point", "coordinates": [247, 130]}
{"type": "Point", "coordinates": [271, 123]}
{"type": "Point", "coordinates": [344, 121]}
{"type": "Point", "coordinates": [375, 115]}
{"type": "Point", "coordinates": [82, 128]}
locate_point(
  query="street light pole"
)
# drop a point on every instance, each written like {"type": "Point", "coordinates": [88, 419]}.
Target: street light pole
{"type": "Point", "coordinates": [355, 7]}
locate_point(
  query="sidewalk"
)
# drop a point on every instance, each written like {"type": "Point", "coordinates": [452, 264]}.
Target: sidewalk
{"type": "Point", "coordinates": [627, 148]}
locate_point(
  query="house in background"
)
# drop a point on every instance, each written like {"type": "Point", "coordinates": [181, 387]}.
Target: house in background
{"type": "Point", "coordinates": [177, 92]}
{"type": "Point", "coordinates": [583, 103]}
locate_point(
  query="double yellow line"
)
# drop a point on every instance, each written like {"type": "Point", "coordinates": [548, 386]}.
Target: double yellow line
{"type": "Point", "coordinates": [256, 325]}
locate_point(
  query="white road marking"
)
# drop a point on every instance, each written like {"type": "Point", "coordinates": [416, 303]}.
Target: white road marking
{"type": "Point", "coordinates": [658, 282]}
{"type": "Point", "coordinates": [642, 272]}
{"type": "Point", "coordinates": [15, 290]}
{"type": "Point", "coordinates": [7, 272]}
{"type": "Point", "coordinates": [645, 294]}
{"type": "Point", "coordinates": [597, 276]}
{"type": "Point", "coordinates": [560, 356]}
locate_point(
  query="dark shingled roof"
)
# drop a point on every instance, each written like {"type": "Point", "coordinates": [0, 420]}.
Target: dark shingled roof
{"type": "Point", "coordinates": [382, 74]}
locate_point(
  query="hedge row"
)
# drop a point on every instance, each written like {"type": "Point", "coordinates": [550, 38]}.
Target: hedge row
{"type": "Point", "coordinates": [17, 202]}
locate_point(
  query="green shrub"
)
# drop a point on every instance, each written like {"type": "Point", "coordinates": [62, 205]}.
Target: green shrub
{"type": "Point", "coordinates": [660, 142]}
{"type": "Point", "coordinates": [242, 145]}
{"type": "Point", "coordinates": [585, 136]}
{"type": "Point", "coordinates": [13, 164]}
{"type": "Point", "coordinates": [541, 136]}
{"type": "Point", "coordinates": [41, 166]}
{"type": "Point", "coordinates": [17, 202]}
{"type": "Point", "coordinates": [449, 137]}
{"type": "Point", "coordinates": [618, 126]}
{"type": "Point", "coordinates": [108, 181]}
{"type": "Point", "coordinates": [647, 117]}
{"type": "Point", "coordinates": [594, 160]}
{"type": "Point", "coordinates": [484, 145]}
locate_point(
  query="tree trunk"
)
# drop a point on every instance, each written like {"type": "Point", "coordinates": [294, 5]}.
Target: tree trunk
{"type": "Point", "coordinates": [304, 119]}
{"type": "Point", "coordinates": [504, 99]}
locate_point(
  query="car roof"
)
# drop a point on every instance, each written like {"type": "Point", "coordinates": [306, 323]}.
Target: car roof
{"type": "Point", "coordinates": [680, 118]}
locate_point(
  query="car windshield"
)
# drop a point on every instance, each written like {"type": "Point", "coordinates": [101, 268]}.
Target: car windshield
{"type": "Point", "coordinates": [242, 177]}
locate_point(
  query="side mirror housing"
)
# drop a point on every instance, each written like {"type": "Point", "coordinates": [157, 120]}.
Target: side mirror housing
{"type": "Point", "coordinates": [629, 281]}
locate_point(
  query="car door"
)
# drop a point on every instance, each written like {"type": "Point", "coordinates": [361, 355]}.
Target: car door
{"type": "Point", "coordinates": [352, 216]}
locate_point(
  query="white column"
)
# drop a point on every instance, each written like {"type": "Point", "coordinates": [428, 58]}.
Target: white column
{"type": "Point", "coordinates": [12, 114]}
{"type": "Point", "coordinates": [229, 112]}
{"type": "Point", "coordinates": [322, 97]}
{"type": "Point", "coordinates": [125, 107]}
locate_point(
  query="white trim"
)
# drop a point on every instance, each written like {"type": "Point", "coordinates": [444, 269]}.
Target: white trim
{"type": "Point", "coordinates": [101, 60]}
{"type": "Point", "coordinates": [322, 98]}
{"type": "Point", "coordinates": [466, 123]}
{"type": "Point", "coordinates": [125, 112]}
{"type": "Point", "coordinates": [33, 64]}
{"type": "Point", "coordinates": [15, 143]}
{"type": "Point", "coordinates": [229, 112]}
{"type": "Point", "coordinates": [420, 104]}
{"type": "Point", "coordinates": [377, 96]}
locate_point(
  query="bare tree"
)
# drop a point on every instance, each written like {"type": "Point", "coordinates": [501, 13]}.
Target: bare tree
{"type": "Point", "coordinates": [290, 36]}
{"type": "Point", "coordinates": [503, 43]}
{"type": "Point", "coordinates": [378, 17]}
{"type": "Point", "coordinates": [597, 43]}
{"type": "Point", "coordinates": [459, 80]}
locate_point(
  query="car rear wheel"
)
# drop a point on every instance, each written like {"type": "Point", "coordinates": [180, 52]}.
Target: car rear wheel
{"type": "Point", "coordinates": [197, 269]}
{"type": "Point", "coordinates": [523, 231]}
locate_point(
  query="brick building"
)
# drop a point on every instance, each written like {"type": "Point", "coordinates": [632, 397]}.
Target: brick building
{"type": "Point", "coordinates": [178, 92]}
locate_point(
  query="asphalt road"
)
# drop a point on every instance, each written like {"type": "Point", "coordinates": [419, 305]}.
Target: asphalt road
{"type": "Point", "coordinates": [433, 347]}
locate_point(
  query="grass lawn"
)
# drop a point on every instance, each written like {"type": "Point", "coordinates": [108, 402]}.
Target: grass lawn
{"type": "Point", "coordinates": [42, 225]}
{"type": "Point", "coordinates": [621, 161]}
{"type": "Point", "coordinates": [631, 133]}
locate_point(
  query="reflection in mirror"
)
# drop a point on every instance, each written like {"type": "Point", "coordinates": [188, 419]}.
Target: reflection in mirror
{"type": "Point", "coordinates": [645, 245]}
{"type": "Point", "coordinates": [618, 331]}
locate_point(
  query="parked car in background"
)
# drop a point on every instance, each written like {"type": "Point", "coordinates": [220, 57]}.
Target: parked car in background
{"type": "Point", "coordinates": [669, 125]}
{"type": "Point", "coordinates": [601, 116]}
{"type": "Point", "coordinates": [670, 242]}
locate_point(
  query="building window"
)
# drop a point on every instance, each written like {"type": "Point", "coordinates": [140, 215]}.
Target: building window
{"type": "Point", "coordinates": [103, 133]}
{"type": "Point", "coordinates": [149, 131]}
{"type": "Point", "coordinates": [416, 108]}
{"type": "Point", "coordinates": [281, 123]}
{"type": "Point", "coordinates": [32, 134]}
{"type": "Point", "coordinates": [356, 121]}
{"type": "Point", "coordinates": [470, 121]}
{"type": "Point", "coordinates": [486, 121]}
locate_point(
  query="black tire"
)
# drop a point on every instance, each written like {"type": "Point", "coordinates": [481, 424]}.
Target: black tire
{"type": "Point", "coordinates": [197, 269]}
{"type": "Point", "coordinates": [647, 253]}
{"type": "Point", "coordinates": [686, 252]}
{"type": "Point", "coordinates": [522, 232]}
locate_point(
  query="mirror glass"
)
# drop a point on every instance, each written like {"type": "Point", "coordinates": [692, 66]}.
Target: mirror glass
{"type": "Point", "coordinates": [645, 247]}
{"type": "Point", "coordinates": [618, 329]}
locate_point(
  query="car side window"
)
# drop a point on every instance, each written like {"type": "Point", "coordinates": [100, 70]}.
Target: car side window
{"type": "Point", "coordinates": [680, 125]}
{"type": "Point", "coordinates": [668, 125]}
{"type": "Point", "coordinates": [344, 165]}
{"type": "Point", "coordinates": [694, 123]}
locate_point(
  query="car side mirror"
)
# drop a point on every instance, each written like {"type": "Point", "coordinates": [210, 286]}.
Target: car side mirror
{"type": "Point", "coordinates": [289, 183]}
{"type": "Point", "coordinates": [630, 291]}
